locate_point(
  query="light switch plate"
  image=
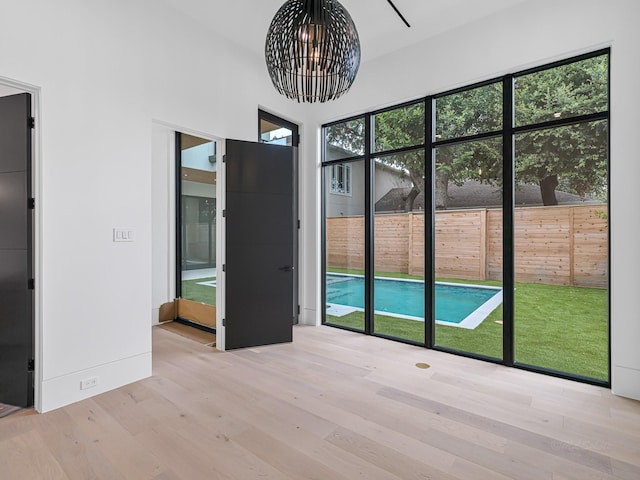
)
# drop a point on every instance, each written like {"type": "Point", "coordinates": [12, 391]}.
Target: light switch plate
{"type": "Point", "coordinates": [124, 235]}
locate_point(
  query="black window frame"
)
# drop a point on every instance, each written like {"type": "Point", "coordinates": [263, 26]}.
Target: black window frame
{"type": "Point", "coordinates": [507, 133]}
{"type": "Point", "coordinates": [270, 117]}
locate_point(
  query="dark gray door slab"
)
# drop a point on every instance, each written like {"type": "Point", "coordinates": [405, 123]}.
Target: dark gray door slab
{"type": "Point", "coordinates": [260, 229]}
{"type": "Point", "coordinates": [16, 296]}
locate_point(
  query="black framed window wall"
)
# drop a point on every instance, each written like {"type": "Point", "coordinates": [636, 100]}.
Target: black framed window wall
{"type": "Point", "coordinates": [487, 204]}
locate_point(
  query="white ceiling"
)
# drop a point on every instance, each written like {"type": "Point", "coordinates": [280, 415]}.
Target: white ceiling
{"type": "Point", "coordinates": [381, 31]}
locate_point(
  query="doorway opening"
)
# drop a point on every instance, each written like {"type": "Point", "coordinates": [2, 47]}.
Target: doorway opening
{"type": "Point", "coordinates": [197, 225]}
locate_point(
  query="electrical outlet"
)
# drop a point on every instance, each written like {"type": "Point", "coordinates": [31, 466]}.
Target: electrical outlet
{"type": "Point", "coordinates": [88, 383]}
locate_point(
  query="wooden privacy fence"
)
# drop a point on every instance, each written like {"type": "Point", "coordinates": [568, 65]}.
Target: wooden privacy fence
{"type": "Point", "coordinates": [562, 245]}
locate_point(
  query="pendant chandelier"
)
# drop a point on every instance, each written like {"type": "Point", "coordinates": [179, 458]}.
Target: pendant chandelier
{"type": "Point", "coordinates": [312, 50]}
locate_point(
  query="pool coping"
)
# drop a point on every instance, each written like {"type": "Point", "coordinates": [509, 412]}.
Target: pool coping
{"type": "Point", "coordinates": [470, 322]}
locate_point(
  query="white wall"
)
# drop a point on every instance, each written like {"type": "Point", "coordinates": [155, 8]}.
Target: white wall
{"type": "Point", "coordinates": [117, 77]}
{"type": "Point", "coordinates": [163, 218]}
{"type": "Point", "coordinates": [529, 34]}
{"type": "Point", "coordinates": [107, 71]}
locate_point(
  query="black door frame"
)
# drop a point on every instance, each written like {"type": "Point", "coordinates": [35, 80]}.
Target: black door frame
{"type": "Point", "coordinates": [177, 166]}
{"type": "Point", "coordinates": [295, 129]}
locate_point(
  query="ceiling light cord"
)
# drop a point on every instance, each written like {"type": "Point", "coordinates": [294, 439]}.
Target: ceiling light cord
{"type": "Point", "coordinates": [399, 14]}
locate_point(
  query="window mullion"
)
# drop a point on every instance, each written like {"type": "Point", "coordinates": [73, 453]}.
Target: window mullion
{"type": "Point", "coordinates": [369, 212]}
{"type": "Point", "coordinates": [429, 225]}
{"type": "Point", "coordinates": [508, 207]}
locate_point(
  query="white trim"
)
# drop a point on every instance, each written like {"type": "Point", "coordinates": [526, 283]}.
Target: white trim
{"type": "Point", "coordinates": [171, 217]}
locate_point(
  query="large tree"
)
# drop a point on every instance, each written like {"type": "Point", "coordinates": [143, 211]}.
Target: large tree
{"type": "Point", "coordinates": [572, 158]}
{"type": "Point", "coordinates": [463, 114]}
{"type": "Point", "coordinates": [398, 128]}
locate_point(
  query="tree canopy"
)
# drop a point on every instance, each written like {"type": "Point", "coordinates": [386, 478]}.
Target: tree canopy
{"type": "Point", "coordinates": [572, 158]}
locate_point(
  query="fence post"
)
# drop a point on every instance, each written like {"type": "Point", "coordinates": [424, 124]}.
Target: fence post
{"type": "Point", "coordinates": [410, 259]}
{"type": "Point", "coordinates": [572, 247]}
{"type": "Point", "coordinates": [482, 274]}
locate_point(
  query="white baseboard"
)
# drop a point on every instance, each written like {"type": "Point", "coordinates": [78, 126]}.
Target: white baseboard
{"type": "Point", "coordinates": [626, 382]}
{"type": "Point", "coordinates": [309, 316]}
{"type": "Point", "coordinates": [64, 390]}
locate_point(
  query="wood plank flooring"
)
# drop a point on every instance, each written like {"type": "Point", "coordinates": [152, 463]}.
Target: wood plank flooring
{"type": "Point", "coordinates": [332, 405]}
{"type": "Point", "coordinates": [6, 410]}
{"type": "Point", "coordinates": [200, 336]}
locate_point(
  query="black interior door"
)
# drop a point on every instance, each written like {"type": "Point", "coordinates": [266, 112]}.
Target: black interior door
{"type": "Point", "coordinates": [16, 302]}
{"type": "Point", "coordinates": [260, 229]}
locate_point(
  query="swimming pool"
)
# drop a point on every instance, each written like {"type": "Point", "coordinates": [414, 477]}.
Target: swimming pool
{"type": "Point", "coordinates": [460, 305]}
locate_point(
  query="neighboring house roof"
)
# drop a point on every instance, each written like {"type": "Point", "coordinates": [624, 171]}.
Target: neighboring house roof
{"type": "Point", "coordinates": [334, 152]}
{"type": "Point", "coordinates": [473, 194]}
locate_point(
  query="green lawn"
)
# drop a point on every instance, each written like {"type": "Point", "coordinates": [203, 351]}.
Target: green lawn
{"type": "Point", "coordinates": [561, 328]}
{"type": "Point", "coordinates": [199, 293]}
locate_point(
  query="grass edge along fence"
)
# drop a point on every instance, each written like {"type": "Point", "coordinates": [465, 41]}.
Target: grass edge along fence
{"type": "Point", "coordinates": [560, 245]}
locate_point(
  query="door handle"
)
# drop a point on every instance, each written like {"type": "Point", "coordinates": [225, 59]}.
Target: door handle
{"type": "Point", "coordinates": [287, 268]}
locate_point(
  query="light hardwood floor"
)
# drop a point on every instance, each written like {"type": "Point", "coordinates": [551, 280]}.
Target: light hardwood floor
{"type": "Point", "coordinates": [332, 405]}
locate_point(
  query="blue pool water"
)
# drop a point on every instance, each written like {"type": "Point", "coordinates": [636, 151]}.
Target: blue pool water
{"type": "Point", "coordinates": [405, 298]}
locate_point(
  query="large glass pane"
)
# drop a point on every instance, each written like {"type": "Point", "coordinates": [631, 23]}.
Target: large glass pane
{"type": "Point", "coordinates": [276, 134]}
{"type": "Point", "coordinates": [578, 88]}
{"type": "Point", "coordinates": [344, 140]}
{"type": "Point", "coordinates": [561, 249]}
{"type": "Point", "coordinates": [198, 219]}
{"type": "Point", "coordinates": [468, 247]}
{"type": "Point", "coordinates": [398, 128]}
{"type": "Point", "coordinates": [344, 247]}
{"type": "Point", "coordinates": [399, 246]}
{"type": "Point", "coordinates": [470, 112]}
{"type": "Point", "coordinates": [198, 211]}
{"type": "Point", "coordinates": [276, 130]}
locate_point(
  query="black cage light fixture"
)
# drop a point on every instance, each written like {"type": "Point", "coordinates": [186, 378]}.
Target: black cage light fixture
{"type": "Point", "coordinates": [312, 50]}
